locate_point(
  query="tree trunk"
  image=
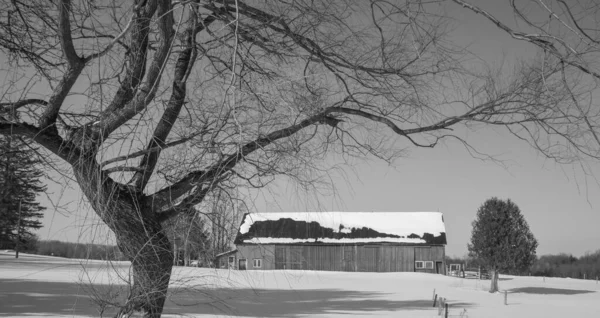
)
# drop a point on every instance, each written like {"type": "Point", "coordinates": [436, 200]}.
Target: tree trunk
{"type": "Point", "coordinates": [139, 235]}
{"type": "Point", "coordinates": [175, 252]}
{"type": "Point", "coordinates": [152, 263]}
{"type": "Point", "coordinates": [494, 284]}
{"type": "Point", "coordinates": [186, 253]}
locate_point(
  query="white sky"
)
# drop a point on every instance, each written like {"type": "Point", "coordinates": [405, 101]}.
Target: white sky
{"type": "Point", "coordinates": [561, 207]}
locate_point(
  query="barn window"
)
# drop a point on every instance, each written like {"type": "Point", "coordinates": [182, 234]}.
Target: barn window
{"type": "Point", "coordinates": [231, 259]}
{"type": "Point", "coordinates": [424, 265]}
{"type": "Point", "coordinates": [257, 263]}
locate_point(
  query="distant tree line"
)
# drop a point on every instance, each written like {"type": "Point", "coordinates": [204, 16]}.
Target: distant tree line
{"type": "Point", "coordinates": [554, 265]}
{"type": "Point", "coordinates": [566, 265]}
{"type": "Point", "coordinates": [79, 250]}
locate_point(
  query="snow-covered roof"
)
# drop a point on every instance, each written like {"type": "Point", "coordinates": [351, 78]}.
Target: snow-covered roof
{"type": "Point", "coordinates": [342, 228]}
{"type": "Point", "coordinates": [226, 253]}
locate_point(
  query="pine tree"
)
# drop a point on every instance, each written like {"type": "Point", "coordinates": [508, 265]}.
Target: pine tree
{"type": "Point", "coordinates": [19, 185]}
{"type": "Point", "coordinates": [501, 238]}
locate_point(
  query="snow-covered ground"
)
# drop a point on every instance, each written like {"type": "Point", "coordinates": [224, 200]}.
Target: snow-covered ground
{"type": "Point", "coordinates": [49, 287]}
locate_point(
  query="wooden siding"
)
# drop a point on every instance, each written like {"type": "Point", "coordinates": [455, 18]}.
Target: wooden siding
{"type": "Point", "coordinates": [430, 253]}
{"type": "Point", "coordinates": [266, 253]}
{"type": "Point", "coordinates": [351, 258]}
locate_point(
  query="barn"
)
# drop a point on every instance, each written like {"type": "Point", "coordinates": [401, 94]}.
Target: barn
{"type": "Point", "coordinates": [339, 241]}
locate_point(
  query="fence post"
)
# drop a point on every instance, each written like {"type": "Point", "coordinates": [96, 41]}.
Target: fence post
{"type": "Point", "coordinates": [505, 297]}
{"type": "Point", "coordinates": [434, 300]}
{"type": "Point", "coordinates": [18, 242]}
{"type": "Point", "coordinates": [434, 295]}
{"type": "Point", "coordinates": [446, 314]}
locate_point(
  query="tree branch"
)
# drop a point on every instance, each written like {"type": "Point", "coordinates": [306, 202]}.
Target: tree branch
{"type": "Point", "coordinates": [190, 201]}
{"type": "Point", "coordinates": [75, 67]}
{"type": "Point", "coordinates": [64, 33]}
{"type": "Point", "coordinates": [440, 125]}
{"type": "Point", "coordinates": [535, 39]}
{"type": "Point", "coordinates": [122, 169]}
{"type": "Point", "coordinates": [137, 56]}
{"type": "Point", "coordinates": [48, 140]}
{"type": "Point", "coordinates": [171, 193]}
{"type": "Point", "coordinates": [166, 196]}
{"type": "Point", "coordinates": [184, 64]}
{"type": "Point", "coordinates": [12, 107]}
{"type": "Point", "coordinates": [145, 151]}
{"type": "Point", "coordinates": [280, 26]}
{"type": "Point", "coordinates": [115, 40]}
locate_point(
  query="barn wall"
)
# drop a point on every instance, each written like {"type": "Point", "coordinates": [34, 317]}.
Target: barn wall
{"type": "Point", "coordinates": [396, 259]}
{"type": "Point", "coordinates": [364, 258]}
{"type": "Point", "coordinates": [436, 254]}
{"type": "Point", "coordinates": [223, 261]}
{"type": "Point", "coordinates": [250, 252]}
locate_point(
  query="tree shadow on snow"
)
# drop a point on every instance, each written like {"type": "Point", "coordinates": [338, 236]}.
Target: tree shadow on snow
{"type": "Point", "coordinates": [549, 291]}
{"type": "Point", "coordinates": [26, 298]}
{"type": "Point", "coordinates": [290, 303]}
{"type": "Point", "coordinates": [37, 298]}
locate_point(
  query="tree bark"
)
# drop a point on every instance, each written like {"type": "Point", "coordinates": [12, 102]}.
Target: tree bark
{"type": "Point", "coordinates": [186, 251]}
{"type": "Point", "coordinates": [151, 273]}
{"type": "Point", "coordinates": [175, 253]}
{"type": "Point", "coordinates": [139, 235]}
{"type": "Point", "coordinates": [494, 283]}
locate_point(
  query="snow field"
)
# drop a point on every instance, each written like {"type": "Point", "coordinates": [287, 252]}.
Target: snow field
{"type": "Point", "coordinates": [61, 288]}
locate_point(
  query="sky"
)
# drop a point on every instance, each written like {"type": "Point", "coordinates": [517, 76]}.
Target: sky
{"type": "Point", "coordinates": [560, 205]}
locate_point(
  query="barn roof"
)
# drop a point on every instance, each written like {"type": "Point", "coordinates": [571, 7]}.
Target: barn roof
{"type": "Point", "coordinates": [342, 228]}
{"type": "Point", "coordinates": [226, 253]}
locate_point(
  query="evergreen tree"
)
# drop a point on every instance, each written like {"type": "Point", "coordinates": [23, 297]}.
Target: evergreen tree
{"type": "Point", "coordinates": [19, 185]}
{"type": "Point", "coordinates": [501, 238]}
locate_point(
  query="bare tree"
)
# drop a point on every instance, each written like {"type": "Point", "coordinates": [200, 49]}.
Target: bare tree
{"type": "Point", "coordinates": [154, 105]}
{"type": "Point", "coordinates": [567, 35]}
{"type": "Point", "coordinates": [189, 235]}
{"type": "Point", "coordinates": [224, 215]}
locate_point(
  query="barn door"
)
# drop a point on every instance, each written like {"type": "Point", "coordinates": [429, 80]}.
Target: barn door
{"type": "Point", "coordinates": [280, 259]}
{"type": "Point", "coordinates": [349, 259]}
{"type": "Point", "coordinates": [439, 267]}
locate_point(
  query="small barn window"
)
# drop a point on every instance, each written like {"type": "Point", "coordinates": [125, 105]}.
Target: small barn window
{"type": "Point", "coordinates": [257, 263]}
{"type": "Point", "coordinates": [424, 265]}
{"type": "Point", "coordinates": [231, 259]}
